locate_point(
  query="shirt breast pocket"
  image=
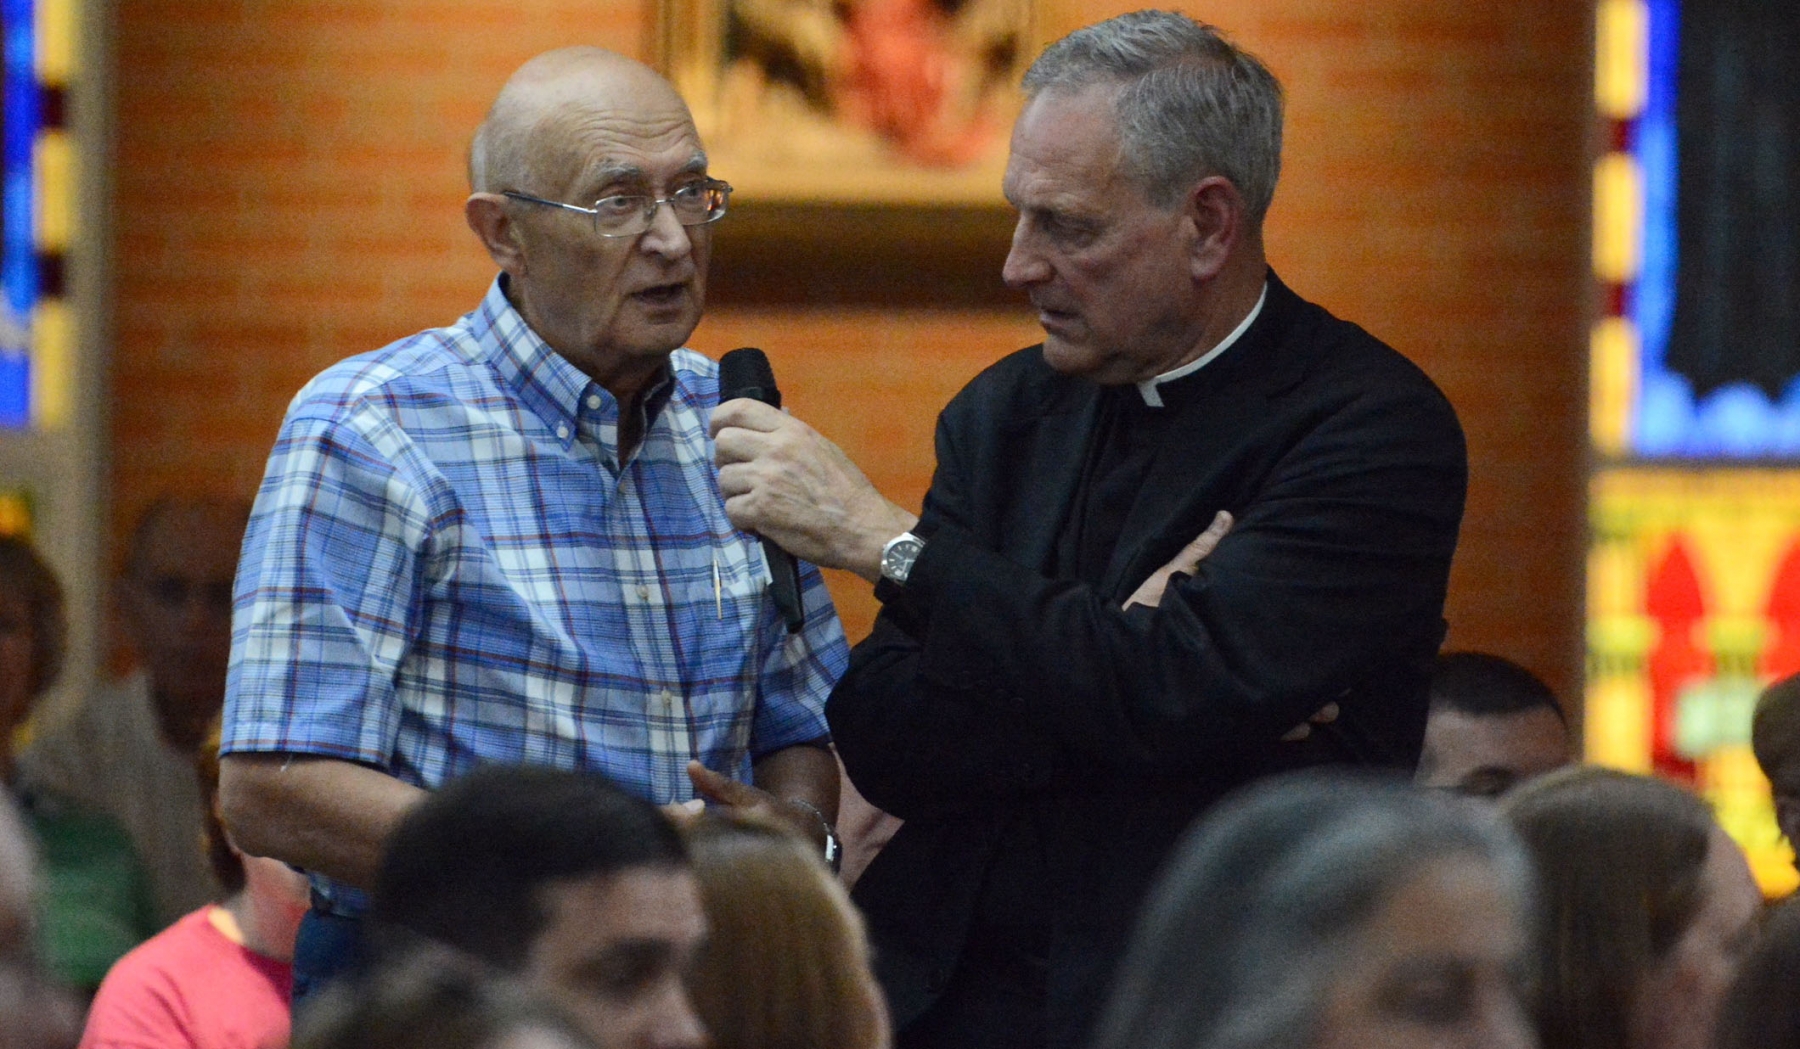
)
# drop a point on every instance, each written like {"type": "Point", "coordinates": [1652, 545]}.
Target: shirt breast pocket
{"type": "Point", "coordinates": [734, 589]}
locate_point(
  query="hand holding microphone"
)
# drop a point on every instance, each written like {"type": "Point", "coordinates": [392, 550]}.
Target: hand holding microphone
{"type": "Point", "coordinates": [746, 373]}
{"type": "Point", "coordinates": [787, 483]}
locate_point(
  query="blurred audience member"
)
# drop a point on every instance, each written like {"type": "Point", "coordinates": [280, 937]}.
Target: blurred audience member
{"type": "Point", "coordinates": [94, 898]}
{"type": "Point", "coordinates": [432, 998]}
{"type": "Point", "coordinates": [1762, 1008]}
{"type": "Point", "coordinates": [1493, 724]}
{"type": "Point", "coordinates": [220, 977]}
{"type": "Point", "coordinates": [1649, 908]}
{"type": "Point", "coordinates": [1322, 910]}
{"type": "Point", "coordinates": [563, 879]}
{"type": "Point", "coordinates": [786, 961]}
{"type": "Point", "coordinates": [129, 748]}
{"type": "Point", "coordinates": [35, 1013]}
{"type": "Point", "coordinates": [1775, 735]}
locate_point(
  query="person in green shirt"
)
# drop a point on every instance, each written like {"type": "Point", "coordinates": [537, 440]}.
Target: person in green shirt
{"type": "Point", "coordinates": [94, 901]}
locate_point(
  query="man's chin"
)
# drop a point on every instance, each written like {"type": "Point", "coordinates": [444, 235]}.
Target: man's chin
{"type": "Point", "coordinates": [1082, 361]}
{"type": "Point", "coordinates": [1065, 357]}
{"type": "Point", "coordinates": [665, 328]}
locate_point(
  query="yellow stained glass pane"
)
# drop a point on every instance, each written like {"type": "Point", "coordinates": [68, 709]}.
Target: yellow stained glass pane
{"type": "Point", "coordinates": [56, 43]}
{"type": "Point", "coordinates": [52, 365]}
{"type": "Point", "coordinates": [1622, 58]}
{"type": "Point", "coordinates": [1618, 218]}
{"type": "Point", "coordinates": [1612, 386]}
{"type": "Point", "coordinates": [54, 159]}
{"type": "Point", "coordinates": [1617, 723]}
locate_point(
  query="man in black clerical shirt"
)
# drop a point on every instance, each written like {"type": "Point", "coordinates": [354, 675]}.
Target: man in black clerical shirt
{"type": "Point", "coordinates": [1058, 683]}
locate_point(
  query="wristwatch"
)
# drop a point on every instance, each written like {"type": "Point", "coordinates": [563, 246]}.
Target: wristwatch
{"type": "Point", "coordinates": [898, 555]}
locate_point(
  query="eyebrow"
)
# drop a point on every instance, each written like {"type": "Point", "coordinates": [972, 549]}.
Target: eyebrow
{"type": "Point", "coordinates": [609, 173]}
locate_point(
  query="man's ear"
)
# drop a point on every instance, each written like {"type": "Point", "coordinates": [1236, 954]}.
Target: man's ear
{"type": "Point", "coordinates": [487, 215]}
{"type": "Point", "coordinates": [1216, 210]}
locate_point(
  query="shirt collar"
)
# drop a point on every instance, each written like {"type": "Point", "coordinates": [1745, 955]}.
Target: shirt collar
{"type": "Point", "coordinates": [1148, 388]}
{"type": "Point", "coordinates": [551, 387]}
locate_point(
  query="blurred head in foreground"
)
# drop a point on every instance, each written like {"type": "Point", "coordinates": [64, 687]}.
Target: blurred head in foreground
{"type": "Point", "coordinates": [1324, 910]}
{"type": "Point", "coordinates": [1493, 725]}
{"type": "Point", "coordinates": [432, 997]}
{"type": "Point", "coordinates": [564, 880]}
{"type": "Point", "coordinates": [786, 965]}
{"type": "Point", "coordinates": [1649, 908]}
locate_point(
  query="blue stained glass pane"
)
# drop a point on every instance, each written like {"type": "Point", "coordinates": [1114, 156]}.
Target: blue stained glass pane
{"type": "Point", "coordinates": [15, 390]}
{"type": "Point", "coordinates": [18, 264]}
{"type": "Point", "coordinates": [1665, 410]}
{"type": "Point", "coordinates": [18, 253]}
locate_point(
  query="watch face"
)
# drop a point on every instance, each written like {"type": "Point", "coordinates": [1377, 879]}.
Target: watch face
{"type": "Point", "coordinates": [897, 560]}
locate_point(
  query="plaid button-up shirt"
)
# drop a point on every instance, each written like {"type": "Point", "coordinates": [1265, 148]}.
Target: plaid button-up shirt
{"type": "Point", "coordinates": [448, 564]}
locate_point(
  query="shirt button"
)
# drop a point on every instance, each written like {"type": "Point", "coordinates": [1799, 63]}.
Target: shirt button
{"type": "Point", "coordinates": [667, 697]}
{"type": "Point", "coordinates": [643, 593]}
{"type": "Point", "coordinates": [593, 401]}
{"type": "Point", "coordinates": [562, 433]}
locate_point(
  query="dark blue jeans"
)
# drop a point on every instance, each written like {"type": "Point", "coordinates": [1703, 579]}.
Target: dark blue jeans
{"type": "Point", "coordinates": [328, 946]}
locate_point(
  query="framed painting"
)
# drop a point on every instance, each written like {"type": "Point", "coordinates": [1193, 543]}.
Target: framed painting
{"type": "Point", "coordinates": [882, 102]}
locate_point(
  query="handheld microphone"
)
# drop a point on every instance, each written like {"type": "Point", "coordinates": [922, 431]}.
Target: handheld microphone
{"type": "Point", "coordinates": [746, 373]}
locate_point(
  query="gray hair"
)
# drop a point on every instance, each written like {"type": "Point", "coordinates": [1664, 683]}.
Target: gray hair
{"type": "Point", "coordinates": [1191, 103]}
{"type": "Point", "coordinates": [1258, 912]}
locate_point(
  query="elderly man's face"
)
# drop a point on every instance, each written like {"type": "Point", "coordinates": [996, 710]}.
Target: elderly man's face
{"type": "Point", "coordinates": [615, 306]}
{"type": "Point", "coordinates": [1108, 271]}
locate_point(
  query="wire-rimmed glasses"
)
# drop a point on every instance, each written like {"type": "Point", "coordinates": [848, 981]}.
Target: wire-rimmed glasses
{"type": "Point", "coordinates": [629, 214]}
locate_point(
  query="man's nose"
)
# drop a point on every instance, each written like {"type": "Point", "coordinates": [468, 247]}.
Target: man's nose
{"type": "Point", "coordinates": [1024, 265]}
{"type": "Point", "coordinates": [677, 1025]}
{"type": "Point", "coordinates": [666, 236]}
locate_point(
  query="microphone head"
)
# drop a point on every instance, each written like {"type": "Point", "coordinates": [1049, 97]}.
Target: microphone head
{"type": "Point", "coordinates": [746, 373]}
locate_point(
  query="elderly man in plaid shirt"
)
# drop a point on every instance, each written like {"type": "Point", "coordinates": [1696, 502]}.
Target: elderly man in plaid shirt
{"type": "Point", "coordinates": [503, 541]}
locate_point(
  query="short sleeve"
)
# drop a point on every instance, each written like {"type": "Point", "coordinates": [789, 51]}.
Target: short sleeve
{"type": "Point", "coordinates": [328, 590]}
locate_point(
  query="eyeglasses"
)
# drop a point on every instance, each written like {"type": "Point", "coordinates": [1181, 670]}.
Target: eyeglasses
{"type": "Point", "coordinates": [629, 214]}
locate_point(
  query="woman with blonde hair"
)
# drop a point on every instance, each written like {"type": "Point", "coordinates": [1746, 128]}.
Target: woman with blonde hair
{"type": "Point", "coordinates": [786, 964]}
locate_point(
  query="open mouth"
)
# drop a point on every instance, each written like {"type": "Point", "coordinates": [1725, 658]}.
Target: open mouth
{"type": "Point", "coordinates": [662, 295]}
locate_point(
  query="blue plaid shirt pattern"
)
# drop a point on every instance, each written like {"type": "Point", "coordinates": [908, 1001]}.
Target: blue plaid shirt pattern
{"type": "Point", "coordinates": [447, 564]}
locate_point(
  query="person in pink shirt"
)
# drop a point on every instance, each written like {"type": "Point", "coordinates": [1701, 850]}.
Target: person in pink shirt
{"type": "Point", "coordinates": [219, 978]}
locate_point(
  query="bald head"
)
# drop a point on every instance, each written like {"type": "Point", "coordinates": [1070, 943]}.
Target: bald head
{"type": "Point", "coordinates": [529, 126]}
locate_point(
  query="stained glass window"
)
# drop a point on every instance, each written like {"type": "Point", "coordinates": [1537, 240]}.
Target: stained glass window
{"type": "Point", "coordinates": [1694, 504]}
{"type": "Point", "coordinates": [35, 213]}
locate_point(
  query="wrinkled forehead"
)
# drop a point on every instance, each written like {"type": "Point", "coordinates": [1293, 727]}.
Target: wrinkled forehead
{"type": "Point", "coordinates": [638, 129]}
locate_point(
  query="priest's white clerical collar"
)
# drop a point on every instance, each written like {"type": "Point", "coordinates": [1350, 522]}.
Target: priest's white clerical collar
{"type": "Point", "coordinates": [1147, 388]}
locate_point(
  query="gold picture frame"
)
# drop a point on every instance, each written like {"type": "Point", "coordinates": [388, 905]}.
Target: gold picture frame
{"type": "Point", "coordinates": [886, 102]}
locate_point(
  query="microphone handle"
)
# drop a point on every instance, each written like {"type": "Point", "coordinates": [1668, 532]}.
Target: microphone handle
{"type": "Point", "coordinates": [784, 585]}
{"type": "Point", "coordinates": [745, 372]}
